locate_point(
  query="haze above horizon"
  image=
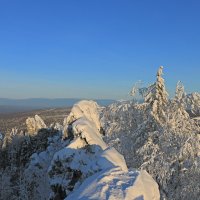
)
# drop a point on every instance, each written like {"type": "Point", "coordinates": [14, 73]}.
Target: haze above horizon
{"type": "Point", "coordinates": [96, 49]}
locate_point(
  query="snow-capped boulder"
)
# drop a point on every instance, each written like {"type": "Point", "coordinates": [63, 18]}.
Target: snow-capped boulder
{"type": "Point", "coordinates": [87, 109]}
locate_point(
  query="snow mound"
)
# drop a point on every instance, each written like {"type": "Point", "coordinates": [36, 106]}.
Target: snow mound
{"type": "Point", "coordinates": [89, 167]}
{"type": "Point", "coordinates": [117, 185]}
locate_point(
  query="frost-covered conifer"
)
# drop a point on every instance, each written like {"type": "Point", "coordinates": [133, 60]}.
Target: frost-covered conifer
{"type": "Point", "coordinates": [192, 102]}
{"type": "Point", "coordinates": [7, 140]}
{"type": "Point", "coordinates": [157, 98]}
{"type": "Point", "coordinates": [177, 117]}
{"type": "Point", "coordinates": [180, 92]}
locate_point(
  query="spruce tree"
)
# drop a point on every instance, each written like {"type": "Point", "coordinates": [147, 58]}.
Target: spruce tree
{"type": "Point", "coordinates": [157, 98]}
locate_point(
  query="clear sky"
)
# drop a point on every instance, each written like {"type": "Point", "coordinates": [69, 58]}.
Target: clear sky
{"type": "Point", "coordinates": [96, 48]}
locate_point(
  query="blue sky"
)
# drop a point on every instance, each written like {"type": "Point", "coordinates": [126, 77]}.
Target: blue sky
{"type": "Point", "coordinates": [96, 48]}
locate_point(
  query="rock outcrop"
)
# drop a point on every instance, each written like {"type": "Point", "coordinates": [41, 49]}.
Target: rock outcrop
{"type": "Point", "coordinates": [34, 124]}
{"type": "Point", "coordinates": [88, 166]}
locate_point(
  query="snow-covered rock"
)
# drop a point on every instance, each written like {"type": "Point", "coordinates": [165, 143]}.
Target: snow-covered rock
{"type": "Point", "coordinates": [30, 123]}
{"type": "Point", "coordinates": [117, 185]}
{"type": "Point", "coordinates": [87, 109]}
{"type": "Point", "coordinates": [88, 157]}
{"type": "Point", "coordinates": [34, 124]}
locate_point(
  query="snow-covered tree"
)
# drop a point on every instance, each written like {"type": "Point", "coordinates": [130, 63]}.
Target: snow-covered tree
{"type": "Point", "coordinates": [192, 102]}
{"type": "Point", "coordinates": [1, 136]}
{"type": "Point", "coordinates": [157, 98]}
{"type": "Point", "coordinates": [170, 154]}
{"type": "Point", "coordinates": [1, 140]}
{"type": "Point", "coordinates": [7, 140]}
{"type": "Point", "coordinates": [5, 185]}
{"type": "Point", "coordinates": [180, 92]}
{"type": "Point", "coordinates": [135, 88]}
{"type": "Point", "coordinates": [144, 91]}
{"type": "Point", "coordinates": [177, 116]}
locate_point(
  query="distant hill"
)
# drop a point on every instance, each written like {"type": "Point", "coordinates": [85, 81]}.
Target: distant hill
{"type": "Point", "coordinates": [21, 105]}
{"type": "Point", "coordinates": [14, 109]}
